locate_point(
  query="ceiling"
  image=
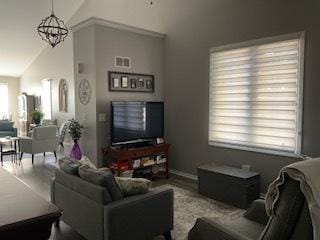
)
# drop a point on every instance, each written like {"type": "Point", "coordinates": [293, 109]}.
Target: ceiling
{"type": "Point", "coordinates": [20, 43]}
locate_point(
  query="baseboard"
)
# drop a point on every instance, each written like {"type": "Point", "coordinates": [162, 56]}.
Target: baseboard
{"type": "Point", "coordinates": [183, 174]}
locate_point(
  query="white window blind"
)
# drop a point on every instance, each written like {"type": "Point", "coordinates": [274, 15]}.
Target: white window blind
{"type": "Point", "coordinates": [4, 101]}
{"type": "Point", "coordinates": [255, 95]}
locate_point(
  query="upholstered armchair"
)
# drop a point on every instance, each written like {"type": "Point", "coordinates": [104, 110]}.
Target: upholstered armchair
{"type": "Point", "coordinates": [42, 140]}
{"type": "Point", "coordinates": [291, 220]}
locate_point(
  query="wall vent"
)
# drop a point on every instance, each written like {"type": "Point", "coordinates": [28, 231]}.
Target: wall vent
{"type": "Point", "coordinates": [124, 62]}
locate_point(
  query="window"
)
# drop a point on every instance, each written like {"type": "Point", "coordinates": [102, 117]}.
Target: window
{"type": "Point", "coordinates": [46, 99]}
{"type": "Point", "coordinates": [255, 95]}
{"type": "Point", "coordinates": [4, 113]}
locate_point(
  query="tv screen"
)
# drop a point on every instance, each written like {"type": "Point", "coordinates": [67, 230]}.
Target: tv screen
{"type": "Point", "coordinates": [136, 121]}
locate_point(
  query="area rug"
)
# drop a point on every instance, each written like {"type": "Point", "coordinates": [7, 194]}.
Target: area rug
{"type": "Point", "coordinates": [188, 206]}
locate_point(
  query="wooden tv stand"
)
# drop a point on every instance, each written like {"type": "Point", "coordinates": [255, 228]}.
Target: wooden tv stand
{"type": "Point", "coordinates": [118, 156]}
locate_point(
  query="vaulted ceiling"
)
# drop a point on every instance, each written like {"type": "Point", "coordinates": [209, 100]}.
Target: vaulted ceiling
{"type": "Point", "coordinates": [20, 43]}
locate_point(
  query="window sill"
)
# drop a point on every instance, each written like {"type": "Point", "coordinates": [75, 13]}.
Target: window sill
{"type": "Point", "coordinates": [254, 149]}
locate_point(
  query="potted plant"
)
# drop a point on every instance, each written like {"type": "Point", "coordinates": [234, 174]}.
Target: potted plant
{"type": "Point", "coordinates": [36, 116]}
{"type": "Point", "coordinates": [75, 131]}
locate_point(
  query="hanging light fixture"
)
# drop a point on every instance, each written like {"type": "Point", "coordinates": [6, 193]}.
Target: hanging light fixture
{"type": "Point", "coordinates": [52, 29]}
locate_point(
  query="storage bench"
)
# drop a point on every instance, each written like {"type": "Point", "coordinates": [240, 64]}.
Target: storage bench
{"type": "Point", "coordinates": [231, 185]}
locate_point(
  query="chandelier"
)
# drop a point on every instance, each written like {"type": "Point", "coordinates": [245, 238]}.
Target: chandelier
{"type": "Point", "coordinates": [52, 29]}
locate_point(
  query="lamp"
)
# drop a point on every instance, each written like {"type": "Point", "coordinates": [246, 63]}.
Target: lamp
{"type": "Point", "coordinates": [52, 29]}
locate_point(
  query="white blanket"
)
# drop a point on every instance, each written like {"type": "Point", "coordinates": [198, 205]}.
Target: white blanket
{"type": "Point", "coordinates": [308, 174]}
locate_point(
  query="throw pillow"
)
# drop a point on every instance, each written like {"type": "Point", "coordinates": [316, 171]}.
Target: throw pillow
{"type": "Point", "coordinates": [69, 166]}
{"type": "Point", "coordinates": [134, 186]}
{"type": "Point", "coordinates": [103, 178]}
{"type": "Point", "coordinates": [85, 161]}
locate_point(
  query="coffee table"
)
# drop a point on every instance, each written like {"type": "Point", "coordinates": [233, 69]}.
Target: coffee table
{"type": "Point", "coordinates": [23, 213]}
{"type": "Point", "coordinates": [13, 142]}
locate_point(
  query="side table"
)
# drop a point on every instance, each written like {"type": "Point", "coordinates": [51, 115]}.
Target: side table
{"type": "Point", "coordinates": [228, 184]}
{"type": "Point", "coordinates": [13, 149]}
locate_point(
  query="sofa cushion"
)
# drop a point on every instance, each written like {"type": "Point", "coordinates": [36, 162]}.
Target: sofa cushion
{"type": "Point", "coordinates": [240, 229]}
{"type": "Point", "coordinates": [7, 133]}
{"type": "Point", "coordinates": [69, 166]}
{"type": "Point", "coordinates": [103, 178]}
{"type": "Point", "coordinates": [92, 191]}
{"type": "Point", "coordinates": [87, 162]}
{"type": "Point", "coordinates": [6, 126]}
{"type": "Point", "coordinates": [133, 186]}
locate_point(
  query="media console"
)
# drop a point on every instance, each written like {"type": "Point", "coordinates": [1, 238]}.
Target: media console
{"type": "Point", "coordinates": [148, 161]}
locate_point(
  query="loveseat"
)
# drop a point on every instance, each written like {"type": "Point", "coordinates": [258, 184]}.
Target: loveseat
{"type": "Point", "coordinates": [97, 213]}
{"type": "Point", "coordinates": [7, 129]}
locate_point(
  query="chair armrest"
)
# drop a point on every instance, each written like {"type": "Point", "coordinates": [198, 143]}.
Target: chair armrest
{"type": "Point", "coordinates": [257, 212]}
{"type": "Point", "coordinates": [25, 144]}
{"type": "Point", "coordinates": [153, 211]}
{"type": "Point", "coordinates": [15, 132]}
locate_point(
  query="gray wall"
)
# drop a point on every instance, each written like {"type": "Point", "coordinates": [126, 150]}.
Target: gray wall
{"type": "Point", "coordinates": [192, 27]}
{"type": "Point", "coordinates": [84, 53]}
{"type": "Point", "coordinates": [96, 47]}
{"type": "Point", "coordinates": [146, 53]}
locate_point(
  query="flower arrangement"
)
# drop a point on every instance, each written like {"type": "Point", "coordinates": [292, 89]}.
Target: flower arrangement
{"type": "Point", "coordinates": [75, 129]}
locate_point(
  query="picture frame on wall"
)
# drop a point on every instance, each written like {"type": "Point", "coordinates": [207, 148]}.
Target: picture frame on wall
{"type": "Point", "coordinates": [131, 82]}
{"type": "Point", "coordinates": [149, 84]}
{"type": "Point", "coordinates": [141, 83]}
{"type": "Point", "coordinates": [124, 81]}
{"type": "Point", "coordinates": [115, 82]}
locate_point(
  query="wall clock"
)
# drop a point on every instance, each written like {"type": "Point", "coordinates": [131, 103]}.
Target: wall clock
{"type": "Point", "coordinates": [84, 92]}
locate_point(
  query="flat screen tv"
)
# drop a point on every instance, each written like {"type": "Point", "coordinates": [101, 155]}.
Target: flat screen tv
{"type": "Point", "coordinates": [133, 122]}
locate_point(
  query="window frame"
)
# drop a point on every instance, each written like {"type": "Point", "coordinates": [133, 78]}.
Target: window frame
{"type": "Point", "coordinates": [8, 105]}
{"type": "Point", "coordinates": [299, 114]}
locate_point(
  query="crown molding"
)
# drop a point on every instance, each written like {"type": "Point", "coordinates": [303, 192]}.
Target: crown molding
{"type": "Point", "coordinates": [102, 22]}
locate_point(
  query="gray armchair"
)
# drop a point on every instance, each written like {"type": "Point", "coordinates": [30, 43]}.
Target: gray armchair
{"type": "Point", "coordinates": [43, 139]}
{"type": "Point", "coordinates": [291, 220]}
{"type": "Point", "coordinates": [88, 210]}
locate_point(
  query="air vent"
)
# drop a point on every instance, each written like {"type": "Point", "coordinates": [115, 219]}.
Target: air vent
{"type": "Point", "coordinates": [124, 62]}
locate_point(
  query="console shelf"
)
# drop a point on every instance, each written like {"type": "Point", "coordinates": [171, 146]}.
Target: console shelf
{"type": "Point", "coordinates": [127, 156]}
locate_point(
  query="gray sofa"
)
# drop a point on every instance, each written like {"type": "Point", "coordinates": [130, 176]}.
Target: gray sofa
{"type": "Point", "coordinates": [7, 129]}
{"type": "Point", "coordinates": [290, 221]}
{"type": "Point", "coordinates": [89, 210]}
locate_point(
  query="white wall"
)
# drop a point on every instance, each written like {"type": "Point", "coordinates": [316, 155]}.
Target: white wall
{"type": "Point", "coordinates": [13, 91]}
{"type": "Point", "coordinates": [137, 13]}
{"type": "Point", "coordinates": [55, 63]}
